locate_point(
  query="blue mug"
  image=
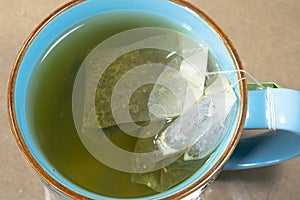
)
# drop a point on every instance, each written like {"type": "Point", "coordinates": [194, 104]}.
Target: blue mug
{"type": "Point", "coordinates": [274, 109]}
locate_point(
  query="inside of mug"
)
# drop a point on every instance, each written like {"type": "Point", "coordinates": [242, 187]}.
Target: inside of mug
{"type": "Point", "coordinates": [63, 24]}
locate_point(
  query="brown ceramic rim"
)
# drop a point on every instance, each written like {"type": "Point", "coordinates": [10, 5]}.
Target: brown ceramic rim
{"type": "Point", "coordinates": [203, 181]}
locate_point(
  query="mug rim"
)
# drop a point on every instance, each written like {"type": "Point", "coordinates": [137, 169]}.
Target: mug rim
{"type": "Point", "coordinates": [202, 181]}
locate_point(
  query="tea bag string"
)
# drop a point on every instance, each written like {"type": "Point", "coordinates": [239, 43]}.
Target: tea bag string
{"type": "Point", "coordinates": [270, 106]}
{"type": "Point", "coordinates": [270, 109]}
{"type": "Point", "coordinates": [260, 86]}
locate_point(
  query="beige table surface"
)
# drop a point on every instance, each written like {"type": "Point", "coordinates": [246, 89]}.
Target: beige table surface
{"type": "Point", "coordinates": [266, 34]}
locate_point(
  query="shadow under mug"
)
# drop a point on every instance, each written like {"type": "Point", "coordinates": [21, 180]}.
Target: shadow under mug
{"type": "Point", "coordinates": [272, 108]}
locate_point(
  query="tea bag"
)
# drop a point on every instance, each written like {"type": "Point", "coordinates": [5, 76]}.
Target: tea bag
{"type": "Point", "coordinates": [174, 98]}
{"type": "Point", "coordinates": [199, 128]}
{"type": "Point", "coordinates": [215, 109]}
{"type": "Point", "coordinates": [122, 66]}
{"type": "Point", "coordinates": [224, 99]}
{"type": "Point", "coordinates": [129, 72]}
{"type": "Point", "coordinates": [165, 178]}
{"type": "Point", "coordinates": [120, 76]}
{"type": "Point", "coordinates": [152, 84]}
{"type": "Point", "coordinates": [192, 136]}
{"type": "Point", "coordinates": [187, 83]}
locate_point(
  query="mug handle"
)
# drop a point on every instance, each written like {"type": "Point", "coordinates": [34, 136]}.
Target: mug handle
{"type": "Point", "coordinates": [278, 110]}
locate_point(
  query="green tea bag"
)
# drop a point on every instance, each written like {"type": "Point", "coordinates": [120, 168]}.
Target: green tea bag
{"type": "Point", "coordinates": [115, 94]}
{"type": "Point", "coordinates": [192, 110]}
{"type": "Point", "coordinates": [195, 136]}
{"type": "Point", "coordinates": [223, 101]}
{"type": "Point", "coordinates": [201, 124]}
{"type": "Point", "coordinates": [116, 80]}
{"type": "Point", "coordinates": [188, 83]}
{"type": "Point", "coordinates": [164, 177]}
{"type": "Point", "coordinates": [204, 119]}
{"type": "Point", "coordinates": [177, 90]}
{"type": "Point", "coordinates": [174, 98]}
{"type": "Point", "coordinates": [169, 176]}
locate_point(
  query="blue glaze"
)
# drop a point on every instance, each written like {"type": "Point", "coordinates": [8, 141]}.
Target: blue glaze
{"type": "Point", "coordinates": [62, 23]}
{"type": "Point", "coordinates": [270, 148]}
{"type": "Point", "coordinates": [256, 115]}
{"type": "Point", "coordinates": [274, 146]}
